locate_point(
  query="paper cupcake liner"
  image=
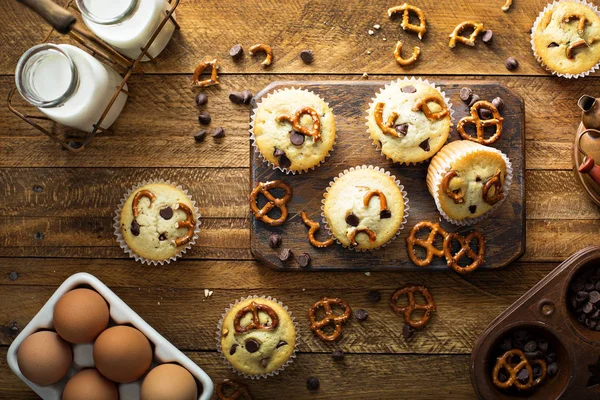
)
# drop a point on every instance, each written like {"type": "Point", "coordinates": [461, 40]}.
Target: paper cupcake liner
{"type": "Point", "coordinates": [220, 328]}
{"type": "Point", "coordinates": [257, 150]}
{"type": "Point", "coordinates": [539, 58]}
{"type": "Point", "coordinates": [416, 80]}
{"type": "Point", "coordinates": [442, 166]}
{"type": "Point", "coordinates": [404, 197]}
{"type": "Point", "coordinates": [128, 250]}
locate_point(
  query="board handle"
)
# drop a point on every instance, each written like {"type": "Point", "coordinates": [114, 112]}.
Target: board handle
{"type": "Point", "coordinates": [58, 17]}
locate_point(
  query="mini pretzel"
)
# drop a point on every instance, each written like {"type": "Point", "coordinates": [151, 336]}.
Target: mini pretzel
{"type": "Point", "coordinates": [330, 317]}
{"type": "Point", "coordinates": [238, 390]}
{"type": "Point", "coordinates": [582, 21]}
{"type": "Point", "coordinates": [214, 78]}
{"type": "Point", "coordinates": [481, 124]}
{"type": "Point", "coordinates": [422, 105]}
{"type": "Point", "coordinates": [507, 5]}
{"type": "Point", "coordinates": [575, 45]}
{"type": "Point", "coordinates": [368, 231]}
{"type": "Point", "coordinates": [272, 202]}
{"type": "Point", "coordinates": [465, 250]}
{"type": "Point", "coordinates": [412, 240]}
{"type": "Point", "coordinates": [457, 196]}
{"type": "Point", "coordinates": [386, 128]}
{"type": "Point", "coordinates": [136, 200]}
{"type": "Point", "coordinates": [267, 49]}
{"type": "Point", "coordinates": [254, 308]}
{"type": "Point", "coordinates": [314, 228]}
{"type": "Point", "coordinates": [189, 223]}
{"type": "Point", "coordinates": [495, 182]}
{"type": "Point", "coordinates": [382, 200]}
{"type": "Point", "coordinates": [406, 25]}
{"type": "Point", "coordinates": [406, 61]}
{"type": "Point", "coordinates": [504, 362]}
{"type": "Point", "coordinates": [315, 132]}
{"type": "Point", "coordinates": [407, 310]}
{"type": "Point", "coordinates": [455, 36]}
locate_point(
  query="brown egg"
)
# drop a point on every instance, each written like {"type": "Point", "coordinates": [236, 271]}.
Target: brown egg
{"type": "Point", "coordinates": [80, 316]}
{"type": "Point", "coordinates": [169, 382]}
{"type": "Point", "coordinates": [89, 384]}
{"type": "Point", "coordinates": [44, 358]}
{"type": "Point", "coordinates": [122, 354]}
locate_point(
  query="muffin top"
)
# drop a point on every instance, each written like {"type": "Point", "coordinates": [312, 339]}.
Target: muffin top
{"type": "Point", "coordinates": [258, 336]}
{"type": "Point", "coordinates": [294, 129]}
{"type": "Point", "coordinates": [364, 208]}
{"type": "Point", "coordinates": [562, 44]}
{"type": "Point", "coordinates": [410, 135]}
{"type": "Point", "coordinates": [157, 221]}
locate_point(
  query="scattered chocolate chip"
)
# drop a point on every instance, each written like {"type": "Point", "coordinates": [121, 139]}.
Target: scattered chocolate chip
{"type": "Point", "coordinates": [478, 179]}
{"type": "Point", "coordinates": [313, 383]}
{"type": "Point", "coordinates": [166, 213]}
{"type": "Point", "coordinates": [307, 56]}
{"type": "Point", "coordinates": [296, 138]}
{"type": "Point", "coordinates": [233, 349]}
{"type": "Point", "coordinates": [385, 214]}
{"type": "Point", "coordinates": [38, 189]}
{"type": "Point", "coordinates": [402, 129]}
{"type": "Point", "coordinates": [264, 362]}
{"type": "Point", "coordinates": [162, 237]}
{"type": "Point", "coordinates": [523, 375]}
{"type": "Point", "coordinates": [201, 99]}
{"type": "Point", "coordinates": [465, 94]}
{"type": "Point", "coordinates": [473, 209]}
{"type": "Point", "coordinates": [252, 346]}
{"type": "Point", "coordinates": [424, 145]}
{"type": "Point", "coordinates": [278, 152]}
{"type": "Point", "coordinates": [135, 228]}
{"type": "Point", "coordinates": [337, 355]}
{"type": "Point", "coordinates": [553, 44]}
{"type": "Point", "coordinates": [13, 276]}
{"type": "Point", "coordinates": [38, 235]}
{"type": "Point", "coordinates": [204, 118]}
{"type": "Point", "coordinates": [284, 162]}
{"type": "Point", "coordinates": [304, 259]}
{"type": "Point", "coordinates": [487, 36]}
{"type": "Point", "coordinates": [219, 133]}
{"type": "Point", "coordinates": [409, 89]}
{"type": "Point", "coordinates": [236, 51]}
{"type": "Point", "coordinates": [530, 346]}
{"type": "Point", "coordinates": [474, 99]}
{"type": "Point", "coordinates": [374, 296]}
{"type": "Point", "coordinates": [352, 219]}
{"type": "Point", "coordinates": [281, 344]}
{"type": "Point", "coordinates": [498, 103]}
{"type": "Point", "coordinates": [199, 137]}
{"type": "Point", "coordinates": [511, 63]}
{"type": "Point", "coordinates": [552, 369]}
{"type": "Point", "coordinates": [361, 314]}
{"type": "Point", "coordinates": [247, 95]}
{"type": "Point", "coordinates": [407, 331]}
{"type": "Point", "coordinates": [484, 113]}
{"type": "Point", "coordinates": [236, 98]}
{"type": "Point", "coordinates": [15, 326]}
{"type": "Point", "coordinates": [285, 254]}
{"type": "Point", "coordinates": [274, 241]}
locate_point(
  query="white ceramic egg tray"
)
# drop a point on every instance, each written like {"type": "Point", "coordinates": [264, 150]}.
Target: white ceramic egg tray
{"type": "Point", "coordinates": [120, 313]}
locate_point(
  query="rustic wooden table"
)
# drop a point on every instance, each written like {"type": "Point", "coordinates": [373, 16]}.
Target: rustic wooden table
{"type": "Point", "coordinates": [57, 208]}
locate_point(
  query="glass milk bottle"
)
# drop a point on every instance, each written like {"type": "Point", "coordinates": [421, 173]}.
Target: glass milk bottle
{"type": "Point", "coordinates": [127, 25]}
{"type": "Point", "coordinates": [69, 85]}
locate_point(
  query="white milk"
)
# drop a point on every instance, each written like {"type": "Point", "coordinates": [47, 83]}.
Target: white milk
{"type": "Point", "coordinates": [127, 25]}
{"type": "Point", "coordinates": [69, 85]}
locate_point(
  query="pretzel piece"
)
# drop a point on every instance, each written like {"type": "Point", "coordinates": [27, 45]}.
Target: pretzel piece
{"type": "Point", "coordinates": [294, 119]}
{"type": "Point", "coordinates": [329, 319]}
{"type": "Point", "coordinates": [579, 17]}
{"type": "Point", "coordinates": [272, 202]}
{"type": "Point", "coordinates": [496, 183]}
{"type": "Point", "coordinates": [457, 196]}
{"type": "Point", "coordinates": [406, 61]}
{"type": "Point", "coordinates": [575, 45]}
{"type": "Point", "coordinates": [406, 8]}
{"type": "Point", "coordinates": [268, 53]}
{"type": "Point", "coordinates": [423, 105]}
{"type": "Point", "coordinates": [428, 244]}
{"type": "Point", "coordinates": [314, 228]}
{"type": "Point", "coordinates": [456, 36]}
{"type": "Point", "coordinates": [214, 77]}
{"type": "Point", "coordinates": [189, 223]}
{"type": "Point", "coordinates": [383, 207]}
{"type": "Point", "coordinates": [507, 5]}
{"type": "Point", "coordinates": [238, 390]}
{"type": "Point", "coordinates": [409, 290]}
{"type": "Point", "coordinates": [387, 127]}
{"type": "Point", "coordinates": [136, 200]}
{"type": "Point", "coordinates": [504, 362]}
{"type": "Point", "coordinates": [368, 231]}
{"type": "Point", "coordinates": [254, 308]}
{"type": "Point", "coordinates": [465, 250]}
{"type": "Point", "coordinates": [481, 124]}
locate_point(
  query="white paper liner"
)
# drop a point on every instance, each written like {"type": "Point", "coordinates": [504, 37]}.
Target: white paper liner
{"type": "Point", "coordinates": [539, 58]}
{"type": "Point", "coordinates": [411, 80]}
{"type": "Point", "coordinates": [404, 197]}
{"type": "Point", "coordinates": [121, 240]}
{"type": "Point", "coordinates": [219, 335]}
{"type": "Point", "coordinates": [253, 138]}
{"type": "Point", "coordinates": [444, 167]}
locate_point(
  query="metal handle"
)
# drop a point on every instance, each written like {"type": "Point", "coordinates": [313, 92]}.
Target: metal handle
{"type": "Point", "coordinates": [58, 17]}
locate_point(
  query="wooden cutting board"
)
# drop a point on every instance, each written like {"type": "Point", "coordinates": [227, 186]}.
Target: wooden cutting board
{"type": "Point", "coordinates": [504, 231]}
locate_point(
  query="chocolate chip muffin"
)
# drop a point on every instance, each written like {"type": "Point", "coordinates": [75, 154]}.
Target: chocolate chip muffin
{"type": "Point", "coordinates": [364, 208]}
{"type": "Point", "coordinates": [157, 222]}
{"type": "Point", "coordinates": [293, 129]}
{"type": "Point", "coordinates": [257, 336]}
{"type": "Point", "coordinates": [409, 121]}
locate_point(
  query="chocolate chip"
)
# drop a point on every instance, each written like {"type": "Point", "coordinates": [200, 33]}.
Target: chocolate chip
{"type": "Point", "coordinates": [38, 235]}
{"type": "Point", "coordinates": [484, 113]}
{"type": "Point", "coordinates": [537, 370]}
{"type": "Point", "coordinates": [581, 317]}
{"type": "Point", "coordinates": [236, 98]}
{"type": "Point", "coordinates": [590, 323]}
{"type": "Point", "coordinates": [502, 377]}
{"type": "Point", "coordinates": [337, 355]}
{"type": "Point", "coordinates": [361, 314]}
{"type": "Point", "coordinates": [233, 349]}
{"type": "Point", "coordinates": [530, 346]}
{"type": "Point", "coordinates": [13, 276]}
{"type": "Point", "coordinates": [135, 228]}
{"type": "Point", "coordinates": [162, 237]}
{"type": "Point", "coordinates": [424, 145]}
{"type": "Point", "coordinates": [553, 44]}
{"type": "Point", "coordinates": [281, 344]}
{"type": "Point", "coordinates": [247, 95]}
{"type": "Point", "coordinates": [278, 152]}
{"type": "Point", "coordinates": [589, 286]}
{"type": "Point", "coordinates": [506, 344]}
{"type": "Point", "coordinates": [385, 214]}
{"type": "Point", "coordinates": [296, 138]}
{"type": "Point", "coordinates": [534, 355]}
{"type": "Point", "coordinates": [38, 189]}
{"type": "Point", "coordinates": [407, 331]}
{"type": "Point", "coordinates": [284, 162]}
{"type": "Point", "coordinates": [595, 314]}
{"type": "Point", "coordinates": [487, 36]}
{"type": "Point", "coordinates": [304, 259]}
{"type": "Point", "coordinates": [352, 219]}
{"type": "Point", "coordinates": [511, 63]}
{"type": "Point", "coordinates": [594, 297]}
{"type": "Point", "coordinates": [465, 94]}
{"type": "Point", "coordinates": [402, 129]}
{"type": "Point", "coordinates": [498, 103]}
{"type": "Point", "coordinates": [274, 241]}
{"type": "Point", "coordinates": [543, 345]}
{"type": "Point", "coordinates": [166, 213]}
{"type": "Point", "coordinates": [550, 358]}
{"type": "Point", "coordinates": [374, 296]}
{"type": "Point", "coordinates": [218, 133]}
{"type": "Point", "coordinates": [478, 179]}
{"type": "Point", "coordinates": [307, 56]}
{"type": "Point", "coordinates": [264, 362]}
{"type": "Point", "coordinates": [285, 254]}
{"type": "Point", "coordinates": [409, 89]}
{"type": "Point", "coordinates": [204, 118]}
{"type": "Point", "coordinates": [552, 369]}
{"type": "Point", "coordinates": [201, 99]}
{"type": "Point", "coordinates": [588, 307]}
{"type": "Point", "coordinates": [523, 375]}
{"type": "Point", "coordinates": [474, 99]}
{"type": "Point", "coordinates": [199, 137]}
{"type": "Point", "coordinates": [473, 209]}
{"type": "Point", "coordinates": [313, 383]}
{"type": "Point", "coordinates": [252, 346]}
{"type": "Point", "coordinates": [236, 51]}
